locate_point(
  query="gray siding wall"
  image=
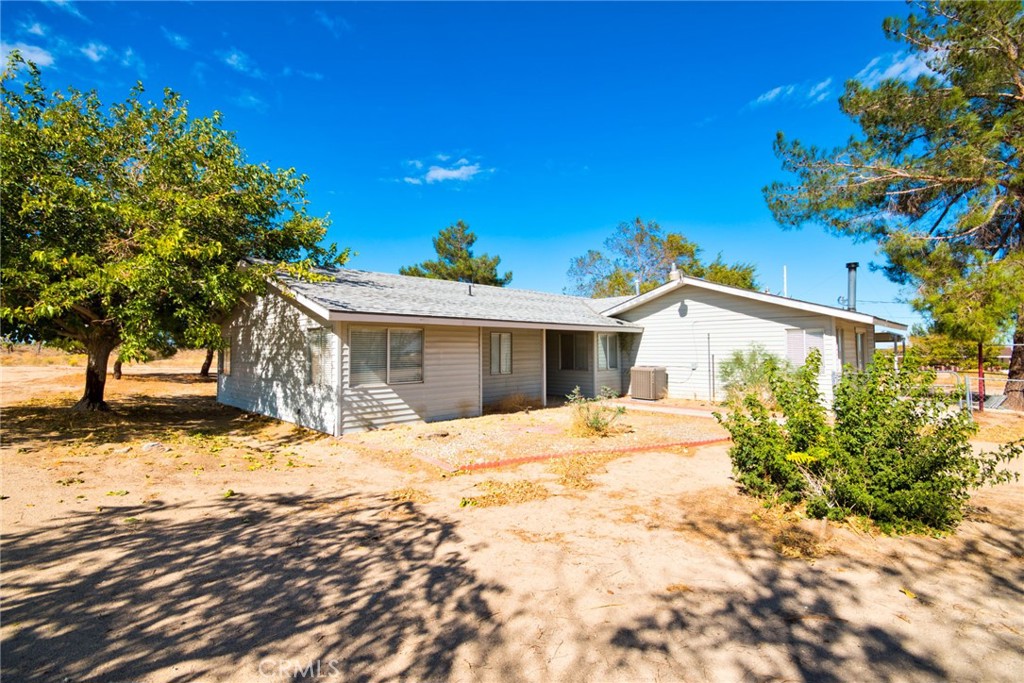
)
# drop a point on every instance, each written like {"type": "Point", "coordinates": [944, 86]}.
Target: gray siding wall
{"type": "Point", "coordinates": [270, 364]}
{"type": "Point", "coordinates": [450, 387]}
{"type": "Point", "coordinates": [527, 369]}
{"type": "Point", "coordinates": [677, 325]}
{"type": "Point", "coordinates": [612, 377]}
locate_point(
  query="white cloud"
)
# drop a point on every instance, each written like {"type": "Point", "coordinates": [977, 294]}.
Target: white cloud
{"type": "Point", "coordinates": [819, 87]}
{"type": "Point", "coordinates": [336, 25]}
{"type": "Point", "coordinates": [176, 39]}
{"type": "Point", "coordinates": [94, 51]}
{"type": "Point", "coordinates": [240, 62]}
{"type": "Point", "coordinates": [781, 92]}
{"type": "Point", "coordinates": [461, 170]}
{"type": "Point", "coordinates": [802, 93]}
{"type": "Point", "coordinates": [67, 6]}
{"type": "Point", "coordinates": [248, 100]}
{"type": "Point", "coordinates": [35, 28]}
{"type": "Point", "coordinates": [439, 174]}
{"type": "Point", "coordinates": [31, 53]}
{"type": "Point", "coordinates": [131, 60]}
{"type": "Point", "coordinates": [898, 65]}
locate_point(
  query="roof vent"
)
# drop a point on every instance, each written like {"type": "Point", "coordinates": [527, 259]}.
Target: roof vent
{"type": "Point", "coordinates": [674, 273]}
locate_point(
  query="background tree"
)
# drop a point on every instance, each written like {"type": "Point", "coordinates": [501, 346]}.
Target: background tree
{"type": "Point", "coordinates": [455, 260]}
{"type": "Point", "coordinates": [934, 176]}
{"type": "Point", "coordinates": [643, 251]}
{"type": "Point", "coordinates": [939, 350]}
{"type": "Point", "coordinates": [130, 227]}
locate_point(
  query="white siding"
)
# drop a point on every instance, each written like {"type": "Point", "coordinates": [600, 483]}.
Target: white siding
{"type": "Point", "coordinates": [678, 326]}
{"type": "Point", "coordinates": [526, 377]}
{"type": "Point", "coordinates": [450, 388]}
{"type": "Point", "coordinates": [270, 368]}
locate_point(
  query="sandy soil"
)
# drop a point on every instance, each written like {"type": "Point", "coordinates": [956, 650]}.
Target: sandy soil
{"type": "Point", "coordinates": [180, 540]}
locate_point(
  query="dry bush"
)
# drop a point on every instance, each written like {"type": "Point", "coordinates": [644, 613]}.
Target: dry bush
{"type": "Point", "coordinates": [505, 493]}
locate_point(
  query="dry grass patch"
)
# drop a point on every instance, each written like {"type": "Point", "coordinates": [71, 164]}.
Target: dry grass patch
{"type": "Point", "coordinates": [506, 493]}
{"type": "Point", "coordinates": [999, 427]}
{"type": "Point", "coordinates": [574, 471]}
{"type": "Point", "coordinates": [410, 495]}
{"type": "Point", "coordinates": [678, 588]}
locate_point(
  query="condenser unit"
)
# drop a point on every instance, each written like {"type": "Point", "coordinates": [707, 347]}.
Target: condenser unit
{"type": "Point", "coordinates": [648, 383]}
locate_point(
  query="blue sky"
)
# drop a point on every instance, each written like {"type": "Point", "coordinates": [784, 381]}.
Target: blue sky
{"type": "Point", "coordinates": [542, 125]}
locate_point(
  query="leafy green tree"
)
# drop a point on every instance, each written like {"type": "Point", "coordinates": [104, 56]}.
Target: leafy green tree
{"type": "Point", "coordinates": [935, 174]}
{"type": "Point", "coordinates": [134, 226]}
{"type": "Point", "coordinates": [455, 260]}
{"type": "Point", "coordinates": [941, 350]}
{"type": "Point", "coordinates": [643, 252]}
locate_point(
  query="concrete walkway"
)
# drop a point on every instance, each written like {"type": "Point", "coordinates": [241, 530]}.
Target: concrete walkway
{"type": "Point", "coordinates": [655, 407]}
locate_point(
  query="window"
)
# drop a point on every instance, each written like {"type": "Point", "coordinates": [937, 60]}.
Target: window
{"type": "Point", "coordinates": [859, 348]}
{"type": "Point", "coordinates": [607, 352]}
{"type": "Point", "coordinates": [573, 351]}
{"type": "Point", "coordinates": [501, 353]}
{"type": "Point", "coordinates": [226, 362]}
{"type": "Point", "coordinates": [318, 353]}
{"type": "Point", "coordinates": [405, 357]}
{"type": "Point", "coordinates": [800, 342]}
{"type": "Point", "coordinates": [381, 355]}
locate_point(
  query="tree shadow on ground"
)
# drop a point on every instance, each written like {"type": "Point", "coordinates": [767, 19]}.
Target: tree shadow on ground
{"type": "Point", "coordinates": [369, 586]}
{"type": "Point", "coordinates": [790, 620]}
{"type": "Point", "coordinates": [142, 417]}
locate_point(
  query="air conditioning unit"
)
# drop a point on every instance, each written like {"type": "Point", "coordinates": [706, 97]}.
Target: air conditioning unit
{"type": "Point", "coordinates": [648, 383]}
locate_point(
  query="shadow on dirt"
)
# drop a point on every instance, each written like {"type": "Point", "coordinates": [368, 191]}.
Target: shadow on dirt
{"type": "Point", "coordinates": [147, 418]}
{"type": "Point", "coordinates": [365, 583]}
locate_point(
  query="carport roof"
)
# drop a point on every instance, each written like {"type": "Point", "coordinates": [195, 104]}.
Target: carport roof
{"type": "Point", "coordinates": [366, 296]}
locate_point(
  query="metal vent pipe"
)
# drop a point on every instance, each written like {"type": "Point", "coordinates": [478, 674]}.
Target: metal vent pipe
{"type": "Point", "coordinates": [851, 285]}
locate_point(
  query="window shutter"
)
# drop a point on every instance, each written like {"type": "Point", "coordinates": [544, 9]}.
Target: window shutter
{"type": "Point", "coordinates": [505, 364]}
{"type": "Point", "coordinates": [318, 345]}
{"type": "Point", "coordinates": [814, 339]}
{"type": "Point", "coordinates": [406, 356]}
{"type": "Point", "coordinates": [796, 353]}
{"type": "Point", "coordinates": [368, 356]}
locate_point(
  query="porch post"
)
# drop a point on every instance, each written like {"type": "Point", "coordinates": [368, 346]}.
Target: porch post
{"type": "Point", "coordinates": [544, 367]}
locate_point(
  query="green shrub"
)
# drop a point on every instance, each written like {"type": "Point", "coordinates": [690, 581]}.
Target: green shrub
{"type": "Point", "coordinates": [747, 372]}
{"type": "Point", "coordinates": [590, 416]}
{"type": "Point", "coordinates": [895, 452]}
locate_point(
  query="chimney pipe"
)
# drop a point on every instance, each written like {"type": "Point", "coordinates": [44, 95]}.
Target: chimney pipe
{"type": "Point", "coordinates": [673, 274]}
{"type": "Point", "coordinates": [851, 286]}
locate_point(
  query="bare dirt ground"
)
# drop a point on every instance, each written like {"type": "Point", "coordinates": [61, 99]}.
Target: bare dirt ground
{"type": "Point", "coordinates": [179, 540]}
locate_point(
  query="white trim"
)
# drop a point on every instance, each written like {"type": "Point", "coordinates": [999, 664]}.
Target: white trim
{"type": "Point", "coordinates": [820, 309]}
{"type": "Point", "coordinates": [384, 318]}
{"type": "Point", "coordinates": [342, 340]}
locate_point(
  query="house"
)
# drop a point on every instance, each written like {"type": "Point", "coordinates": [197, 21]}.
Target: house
{"type": "Point", "coordinates": [364, 350]}
{"type": "Point", "coordinates": [691, 325]}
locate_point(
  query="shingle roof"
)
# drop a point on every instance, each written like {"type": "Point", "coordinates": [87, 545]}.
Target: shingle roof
{"type": "Point", "coordinates": [608, 302]}
{"type": "Point", "coordinates": [363, 292]}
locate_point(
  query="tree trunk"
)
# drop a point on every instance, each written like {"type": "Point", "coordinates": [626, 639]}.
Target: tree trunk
{"type": "Point", "coordinates": [205, 370]}
{"type": "Point", "coordinates": [95, 375]}
{"type": "Point", "coordinates": [1015, 389]}
{"type": "Point", "coordinates": [117, 369]}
